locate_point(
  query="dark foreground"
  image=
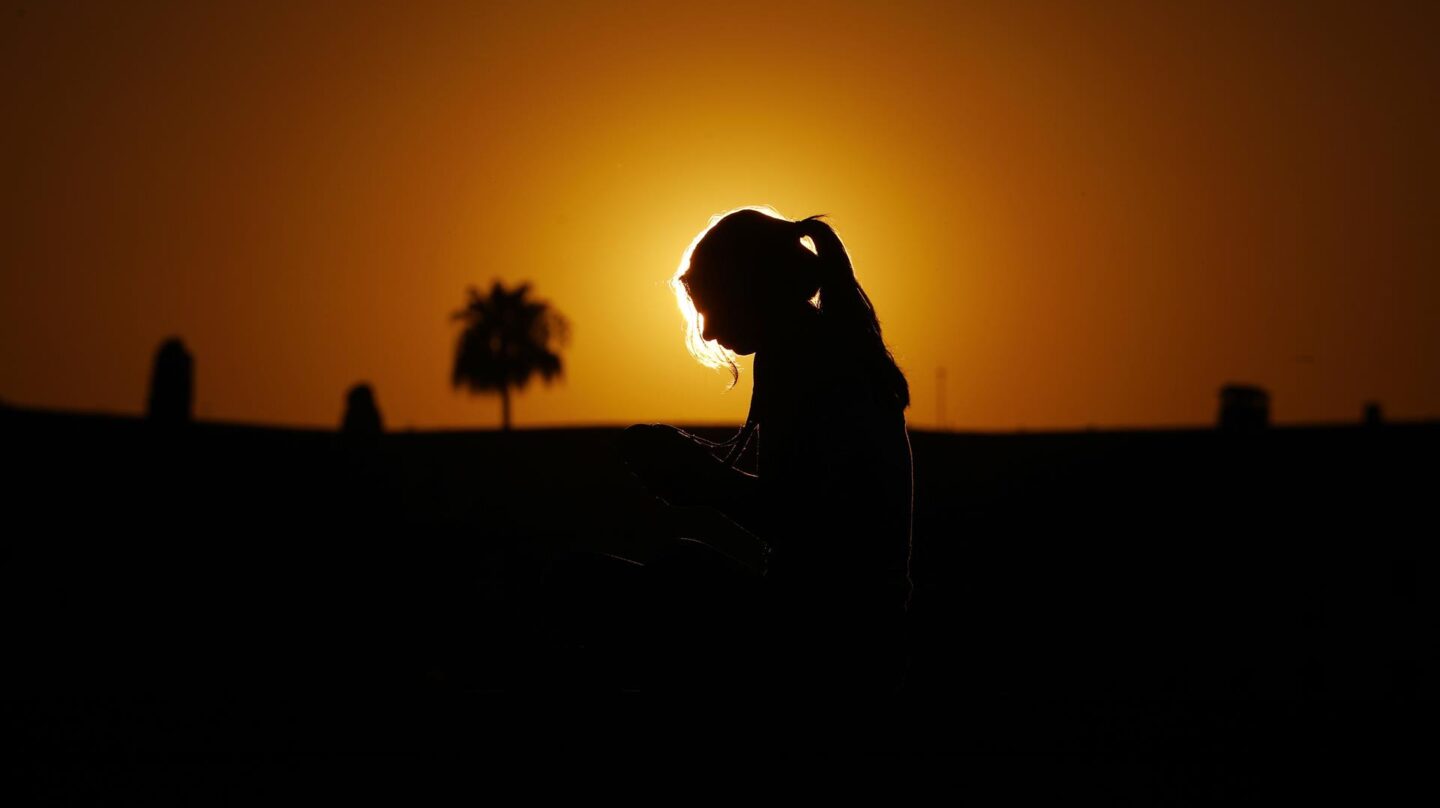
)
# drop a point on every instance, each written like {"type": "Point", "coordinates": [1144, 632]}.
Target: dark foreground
{"type": "Point", "coordinates": [176, 600]}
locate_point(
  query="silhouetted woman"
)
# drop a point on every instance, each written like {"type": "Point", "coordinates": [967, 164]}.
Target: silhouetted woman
{"type": "Point", "coordinates": [831, 499]}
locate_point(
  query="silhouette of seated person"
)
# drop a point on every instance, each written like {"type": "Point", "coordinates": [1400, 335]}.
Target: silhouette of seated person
{"type": "Point", "coordinates": [828, 511]}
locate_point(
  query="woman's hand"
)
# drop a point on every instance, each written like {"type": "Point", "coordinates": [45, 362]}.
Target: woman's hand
{"type": "Point", "coordinates": [680, 468]}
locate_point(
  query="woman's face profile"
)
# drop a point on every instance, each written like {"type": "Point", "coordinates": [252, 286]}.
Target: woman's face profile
{"type": "Point", "coordinates": [726, 318]}
{"type": "Point", "coordinates": [728, 327]}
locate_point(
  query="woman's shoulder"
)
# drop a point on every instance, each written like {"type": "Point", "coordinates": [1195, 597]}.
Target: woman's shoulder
{"type": "Point", "coordinates": [841, 394]}
{"type": "Point", "coordinates": [822, 391]}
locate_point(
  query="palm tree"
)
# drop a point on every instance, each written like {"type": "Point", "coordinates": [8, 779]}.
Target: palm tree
{"type": "Point", "coordinates": [508, 338]}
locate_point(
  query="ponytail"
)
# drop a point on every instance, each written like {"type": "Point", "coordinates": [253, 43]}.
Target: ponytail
{"type": "Point", "coordinates": [840, 294]}
{"type": "Point", "coordinates": [847, 308]}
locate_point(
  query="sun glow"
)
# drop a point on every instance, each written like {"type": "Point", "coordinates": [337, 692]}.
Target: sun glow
{"type": "Point", "coordinates": [708, 352]}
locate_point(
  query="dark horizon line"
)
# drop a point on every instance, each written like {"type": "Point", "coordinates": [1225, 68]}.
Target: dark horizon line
{"type": "Point", "coordinates": [715, 425]}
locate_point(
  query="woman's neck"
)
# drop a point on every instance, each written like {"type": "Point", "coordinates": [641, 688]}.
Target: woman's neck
{"type": "Point", "coordinates": [794, 332]}
{"type": "Point", "coordinates": [795, 357]}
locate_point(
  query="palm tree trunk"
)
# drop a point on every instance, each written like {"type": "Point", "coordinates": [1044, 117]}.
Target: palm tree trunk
{"type": "Point", "coordinates": [505, 407]}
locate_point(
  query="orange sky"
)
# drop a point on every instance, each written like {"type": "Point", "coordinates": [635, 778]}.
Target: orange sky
{"type": "Point", "coordinates": [1088, 216]}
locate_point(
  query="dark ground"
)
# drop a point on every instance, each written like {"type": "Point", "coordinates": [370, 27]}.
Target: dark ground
{"type": "Point", "coordinates": [178, 600]}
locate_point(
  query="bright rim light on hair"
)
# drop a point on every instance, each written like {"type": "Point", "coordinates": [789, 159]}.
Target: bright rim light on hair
{"type": "Point", "coordinates": [708, 352]}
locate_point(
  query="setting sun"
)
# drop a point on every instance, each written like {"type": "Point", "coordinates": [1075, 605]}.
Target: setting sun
{"type": "Point", "coordinates": [1078, 385]}
{"type": "Point", "coordinates": [1069, 235]}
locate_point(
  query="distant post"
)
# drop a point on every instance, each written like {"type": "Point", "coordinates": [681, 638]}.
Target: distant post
{"type": "Point", "coordinates": [1243, 408]}
{"type": "Point", "coordinates": [1374, 417]}
{"type": "Point", "coordinates": [362, 416]}
{"type": "Point", "coordinates": [172, 384]}
{"type": "Point", "coordinates": [940, 398]}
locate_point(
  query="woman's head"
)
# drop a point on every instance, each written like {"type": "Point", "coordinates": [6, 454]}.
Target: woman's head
{"type": "Point", "coordinates": [751, 274]}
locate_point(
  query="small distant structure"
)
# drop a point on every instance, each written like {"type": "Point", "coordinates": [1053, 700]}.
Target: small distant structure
{"type": "Point", "coordinates": [172, 384]}
{"type": "Point", "coordinates": [1373, 417]}
{"type": "Point", "coordinates": [362, 416]}
{"type": "Point", "coordinates": [1243, 408]}
{"type": "Point", "coordinates": [940, 398]}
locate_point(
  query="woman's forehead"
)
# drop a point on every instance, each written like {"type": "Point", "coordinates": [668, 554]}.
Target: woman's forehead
{"type": "Point", "coordinates": [712, 281]}
{"type": "Point", "coordinates": [701, 275]}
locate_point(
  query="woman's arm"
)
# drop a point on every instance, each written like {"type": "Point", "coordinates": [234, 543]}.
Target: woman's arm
{"type": "Point", "coordinates": [710, 499]}
{"type": "Point", "coordinates": [681, 470]}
